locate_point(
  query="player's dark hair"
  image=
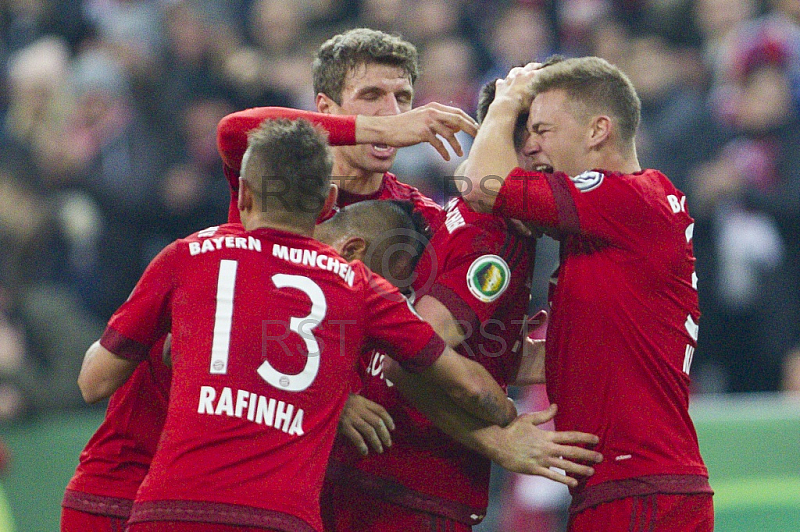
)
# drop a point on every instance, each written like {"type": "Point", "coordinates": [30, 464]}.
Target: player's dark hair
{"type": "Point", "coordinates": [395, 232]}
{"type": "Point", "coordinates": [288, 167]}
{"type": "Point", "coordinates": [485, 99]}
{"type": "Point", "coordinates": [595, 86]}
{"type": "Point", "coordinates": [346, 51]}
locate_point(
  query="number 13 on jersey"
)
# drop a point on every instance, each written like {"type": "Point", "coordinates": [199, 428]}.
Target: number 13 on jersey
{"type": "Point", "coordinates": [223, 320]}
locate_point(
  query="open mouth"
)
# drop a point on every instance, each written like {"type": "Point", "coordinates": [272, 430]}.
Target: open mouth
{"type": "Point", "coordinates": [382, 148]}
{"type": "Point", "coordinates": [546, 168]}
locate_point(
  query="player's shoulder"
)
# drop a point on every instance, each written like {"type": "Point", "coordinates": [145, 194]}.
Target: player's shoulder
{"type": "Point", "coordinates": [396, 189]}
{"type": "Point", "coordinates": [461, 218]}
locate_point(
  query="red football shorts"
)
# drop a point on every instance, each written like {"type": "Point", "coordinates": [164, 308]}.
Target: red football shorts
{"type": "Point", "coordinates": [186, 526]}
{"type": "Point", "coordinates": [77, 521]}
{"type": "Point", "coordinates": [659, 512]}
{"type": "Point", "coordinates": [347, 509]}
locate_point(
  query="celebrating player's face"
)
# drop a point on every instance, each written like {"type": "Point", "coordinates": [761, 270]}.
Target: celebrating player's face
{"type": "Point", "coordinates": [556, 140]}
{"type": "Point", "coordinates": [374, 90]}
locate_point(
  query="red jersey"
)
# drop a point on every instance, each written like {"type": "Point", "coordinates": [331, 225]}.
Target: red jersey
{"type": "Point", "coordinates": [232, 143]}
{"type": "Point", "coordinates": [266, 330]}
{"type": "Point", "coordinates": [117, 457]}
{"type": "Point", "coordinates": [623, 324]}
{"type": "Point", "coordinates": [480, 271]}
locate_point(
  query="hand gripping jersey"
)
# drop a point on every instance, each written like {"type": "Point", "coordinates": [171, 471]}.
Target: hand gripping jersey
{"type": "Point", "coordinates": [623, 324]}
{"type": "Point", "coordinates": [480, 271]}
{"type": "Point", "coordinates": [232, 143]}
{"type": "Point", "coordinates": [116, 458]}
{"type": "Point", "coordinates": [266, 330]}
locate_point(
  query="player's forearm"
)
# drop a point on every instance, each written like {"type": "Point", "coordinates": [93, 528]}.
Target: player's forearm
{"type": "Point", "coordinates": [492, 156]}
{"type": "Point", "coordinates": [470, 386]}
{"type": "Point", "coordinates": [471, 432]}
{"type": "Point", "coordinates": [233, 129]}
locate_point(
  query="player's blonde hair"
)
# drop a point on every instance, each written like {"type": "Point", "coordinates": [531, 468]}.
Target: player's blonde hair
{"type": "Point", "coordinates": [594, 86]}
{"type": "Point", "coordinates": [288, 166]}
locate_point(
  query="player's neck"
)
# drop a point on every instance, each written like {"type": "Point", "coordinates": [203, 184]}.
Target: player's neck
{"type": "Point", "coordinates": [356, 180]}
{"type": "Point", "coordinates": [251, 223]}
{"type": "Point", "coordinates": [614, 161]}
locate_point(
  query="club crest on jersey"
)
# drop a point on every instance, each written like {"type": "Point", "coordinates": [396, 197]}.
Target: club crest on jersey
{"type": "Point", "coordinates": [588, 180]}
{"type": "Point", "coordinates": [488, 277]}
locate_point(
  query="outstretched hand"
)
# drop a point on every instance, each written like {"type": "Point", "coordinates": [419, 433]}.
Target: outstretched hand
{"type": "Point", "coordinates": [366, 424]}
{"type": "Point", "coordinates": [530, 450]}
{"type": "Point", "coordinates": [433, 123]}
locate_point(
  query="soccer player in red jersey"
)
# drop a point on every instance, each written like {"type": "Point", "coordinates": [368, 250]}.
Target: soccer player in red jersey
{"type": "Point", "coordinates": [624, 311]}
{"type": "Point", "coordinates": [363, 80]}
{"type": "Point", "coordinates": [114, 462]}
{"type": "Point", "coordinates": [266, 324]}
{"type": "Point", "coordinates": [473, 287]}
{"type": "Point", "coordinates": [370, 74]}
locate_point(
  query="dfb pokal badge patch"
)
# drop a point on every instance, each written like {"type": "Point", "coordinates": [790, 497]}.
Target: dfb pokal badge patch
{"type": "Point", "coordinates": [588, 180]}
{"type": "Point", "coordinates": [488, 277]}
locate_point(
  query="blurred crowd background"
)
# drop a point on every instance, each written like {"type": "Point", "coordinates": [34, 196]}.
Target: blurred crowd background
{"type": "Point", "coordinates": [108, 114]}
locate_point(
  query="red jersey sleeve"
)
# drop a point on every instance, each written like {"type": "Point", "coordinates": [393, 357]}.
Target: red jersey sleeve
{"type": "Point", "coordinates": [603, 205]}
{"type": "Point", "coordinates": [473, 274]}
{"type": "Point", "coordinates": [233, 129]}
{"type": "Point", "coordinates": [392, 325]}
{"type": "Point", "coordinates": [145, 317]}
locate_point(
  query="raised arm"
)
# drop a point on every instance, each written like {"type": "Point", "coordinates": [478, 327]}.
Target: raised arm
{"type": "Point", "coordinates": [429, 123]}
{"type": "Point", "coordinates": [232, 130]}
{"type": "Point", "coordinates": [492, 156]}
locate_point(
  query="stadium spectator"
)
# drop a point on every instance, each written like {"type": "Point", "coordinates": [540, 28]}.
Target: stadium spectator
{"type": "Point", "coordinates": [748, 193]}
{"type": "Point", "coordinates": [624, 311]}
{"type": "Point", "coordinates": [227, 486]}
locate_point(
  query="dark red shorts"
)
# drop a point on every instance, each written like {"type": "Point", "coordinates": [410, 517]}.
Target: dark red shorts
{"type": "Point", "coordinates": [346, 509]}
{"type": "Point", "coordinates": [648, 513]}
{"type": "Point", "coordinates": [77, 521]}
{"type": "Point", "coordinates": [186, 526]}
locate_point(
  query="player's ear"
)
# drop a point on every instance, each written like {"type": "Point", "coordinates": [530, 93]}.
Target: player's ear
{"type": "Point", "coordinates": [354, 248]}
{"type": "Point", "coordinates": [325, 104]}
{"type": "Point", "coordinates": [330, 201]}
{"type": "Point", "coordinates": [244, 201]}
{"type": "Point", "coordinates": [600, 130]}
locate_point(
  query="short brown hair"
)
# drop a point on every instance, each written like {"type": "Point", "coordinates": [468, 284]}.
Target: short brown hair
{"type": "Point", "coordinates": [344, 52]}
{"type": "Point", "coordinates": [288, 167]}
{"type": "Point", "coordinates": [596, 85]}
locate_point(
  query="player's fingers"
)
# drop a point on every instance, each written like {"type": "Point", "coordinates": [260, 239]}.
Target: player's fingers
{"type": "Point", "coordinates": [575, 438]}
{"type": "Point", "coordinates": [458, 114]}
{"type": "Point", "coordinates": [572, 467]}
{"type": "Point", "coordinates": [369, 433]}
{"type": "Point", "coordinates": [349, 432]}
{"type": "Point", "coordinates": [439, 146]}
{"type": "Point", "coordinates": [557, 476]}
{"type": "Point", "coordinates": [454, 120]}
{"type": "Point", "coordinates": [449, 135]}
{"type": "Point", "coordinates": [580, 454]}
{"type": "Point", "coordinates": [543, 416]}
{"type": "Point", "coordinates": [381, 412]}
{"type": "Point", "coordinates": [383, 432]}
